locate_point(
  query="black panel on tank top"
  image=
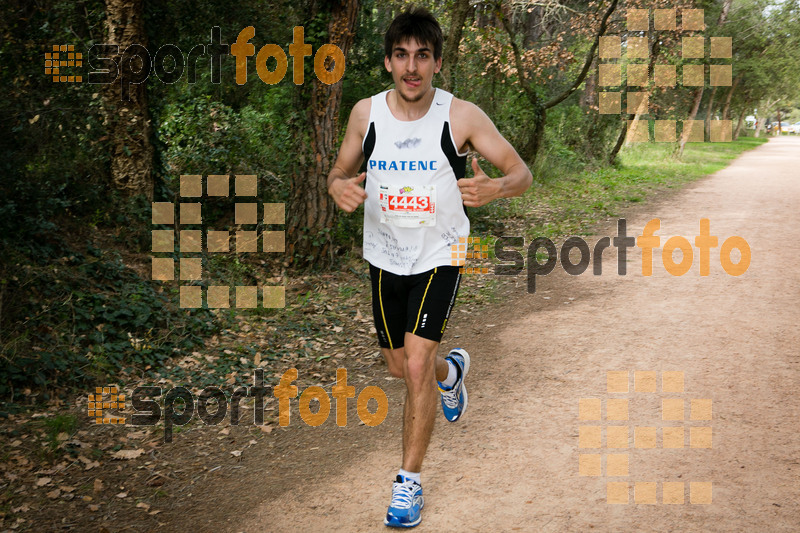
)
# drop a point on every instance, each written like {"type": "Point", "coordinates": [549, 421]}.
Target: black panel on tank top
{"type": "Point", "coordinates": [369, 146]}
{"type": "Point", "coordinates": [457, 162]}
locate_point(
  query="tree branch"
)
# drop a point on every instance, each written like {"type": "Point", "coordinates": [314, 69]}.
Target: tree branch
{"type": "Point", "coordinates": [529, 92]}
{"type": "Point", "coordinates": [588, 63]}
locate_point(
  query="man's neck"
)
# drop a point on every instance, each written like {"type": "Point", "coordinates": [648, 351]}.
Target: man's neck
{"type": "Point", "coordinates": [403, 109]}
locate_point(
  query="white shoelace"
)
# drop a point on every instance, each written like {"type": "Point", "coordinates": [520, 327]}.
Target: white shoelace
{"type": "Point", "coordinates": [403, 494]}
{"type": "Point", "coordinates": [450, 398]}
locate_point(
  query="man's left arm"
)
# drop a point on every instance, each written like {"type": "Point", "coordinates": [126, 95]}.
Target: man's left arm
{"type": "Point", "coordinates": [483, 136]}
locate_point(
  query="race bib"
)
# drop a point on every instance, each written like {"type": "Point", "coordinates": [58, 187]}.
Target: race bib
{"type": "Point", "coordinates": [409, 206]}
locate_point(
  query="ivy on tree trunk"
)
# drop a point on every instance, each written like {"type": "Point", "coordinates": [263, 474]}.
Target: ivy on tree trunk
{"type": "Point", "coordinates": [312, 212]}
{"type": "Point", "coordinates": [125, 112]}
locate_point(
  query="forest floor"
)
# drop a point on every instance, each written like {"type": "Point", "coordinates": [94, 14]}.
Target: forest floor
{"type": "Point", "coordinates": [515, 461]}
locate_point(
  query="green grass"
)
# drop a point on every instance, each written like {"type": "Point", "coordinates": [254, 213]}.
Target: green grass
{"type": "Point", "coordinates": [566, 202]}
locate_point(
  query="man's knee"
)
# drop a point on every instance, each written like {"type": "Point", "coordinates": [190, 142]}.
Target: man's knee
{"type": "Point", "coordinates": [394, 360]}
{"type": "Point", "coordinates": [420, 362]}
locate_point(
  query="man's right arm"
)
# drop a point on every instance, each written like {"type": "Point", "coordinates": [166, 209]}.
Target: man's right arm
{"type": "Point", "coordinates": [342, 186]}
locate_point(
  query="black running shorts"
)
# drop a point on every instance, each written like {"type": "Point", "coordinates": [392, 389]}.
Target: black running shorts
{"type": "Point", "coordinates": [419, 304]}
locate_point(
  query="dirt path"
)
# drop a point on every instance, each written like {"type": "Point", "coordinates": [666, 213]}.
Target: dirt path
{"type": "Point", "coordinates": [512, 463]}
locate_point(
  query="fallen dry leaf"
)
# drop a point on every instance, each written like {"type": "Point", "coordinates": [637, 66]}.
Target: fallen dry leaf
{"type": "Point", "coordinates": [98, 485]}
{"type": "Point", "coordinates": [122, 495]}
{"type": "Point", "coordinates": [142, 505]}
{"type": "Point", "coordinates": [236, 453]}
{"type": "Point", "coordinates": [128, 454]}
{"type": "Point", "coordinates": [88, 464]}
{"type": "Point", "coordinates": [42, 481]}
{"type": "Point", "coordinates": [53, 494]}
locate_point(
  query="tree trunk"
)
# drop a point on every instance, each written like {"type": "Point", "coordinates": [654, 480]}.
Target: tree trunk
{"type": "Point", "coordinates": [531, 148]}
{"type": "Point", "coordinates": [759, 126]}
{"type": "Point", "coordinates": [723, 16]}
{"type": "Point", "coordinates": [461, 10]}
{"type": "Point", "coordinates": [588, 98]}
{"type": "Point", "coordinates": [709, 110]}
{"type": "Point", "coordinates": [612, 157]}
{"type": "Point", "coordinates": [125, 104]}
{"type": "Point", "coordinates": [726, 110]}
{"type": "Point", "coordinates": [642, 108]}
{"type": "Point", "coordinates": [312, 212]}
{"type": "Point", "coordinates": [698, 97]}
{"type": "Point", "coordinates": [740, 122]}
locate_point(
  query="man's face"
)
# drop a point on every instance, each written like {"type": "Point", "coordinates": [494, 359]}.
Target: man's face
{"type": "Point", "coordinates": [412, 66]}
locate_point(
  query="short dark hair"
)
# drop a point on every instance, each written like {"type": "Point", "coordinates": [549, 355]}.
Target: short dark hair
{"type": "Point", "coordinates": [416, 23]}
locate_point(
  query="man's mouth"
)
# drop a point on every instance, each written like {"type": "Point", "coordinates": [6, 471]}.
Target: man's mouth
{"type": "Point", "coordinates": [412, 81]}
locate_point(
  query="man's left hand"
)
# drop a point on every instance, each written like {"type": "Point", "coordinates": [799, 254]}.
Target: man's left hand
{"type": "Point", "coordinates": [480, 189]}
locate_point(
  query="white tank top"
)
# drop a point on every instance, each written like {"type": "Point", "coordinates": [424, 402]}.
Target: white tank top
{"type": "Point", "coordinates": [413, 213]}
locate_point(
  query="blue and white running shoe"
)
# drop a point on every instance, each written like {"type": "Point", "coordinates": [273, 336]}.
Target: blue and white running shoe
{"type": "Point", "coordinates": [454, 400]}
{"type": "Point", "coordinates": [407, 501]}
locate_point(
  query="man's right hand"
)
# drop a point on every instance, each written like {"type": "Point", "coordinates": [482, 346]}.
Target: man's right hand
{"type": "Point", "coordinates": [347, 193]}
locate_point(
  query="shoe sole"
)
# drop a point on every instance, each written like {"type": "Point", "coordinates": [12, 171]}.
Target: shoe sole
{"type": "Point", "coordinates": [463, 353]}
{"type": "Point", "coordinates": [410, 524]}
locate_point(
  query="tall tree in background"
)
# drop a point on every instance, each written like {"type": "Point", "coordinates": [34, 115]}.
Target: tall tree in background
{"type": "Point", "coordinates": [311, 211]}
{"type": "Point", "coordinates": [461, 9]}
{"type": "Point", "coordinates": [125, 106]}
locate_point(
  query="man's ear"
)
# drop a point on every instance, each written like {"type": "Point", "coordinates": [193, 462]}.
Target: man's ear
{"type": "Point", "coordinates": [387, 63]}
{"type": "Point", "coordinates": [438, 65]}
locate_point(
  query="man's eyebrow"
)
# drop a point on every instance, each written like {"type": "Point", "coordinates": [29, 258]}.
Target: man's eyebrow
{"type": "Point", "coordinates": [401, 49]}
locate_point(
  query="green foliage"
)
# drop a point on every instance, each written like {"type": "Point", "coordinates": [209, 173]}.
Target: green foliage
{"type": "Point", "coordinates": [62, 423]}
{"type": "Point", "coordinates": [577, 199]}
{"type": "Point", "coordinates": [86, 319]}
{"type": "Point", "coordinates": [52, 155]}
{"type": "Point", "coordinates": [203, 136]}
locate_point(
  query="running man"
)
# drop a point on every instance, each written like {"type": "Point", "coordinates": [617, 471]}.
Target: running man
{"type": "Point", "coordinates": [415, 139]}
